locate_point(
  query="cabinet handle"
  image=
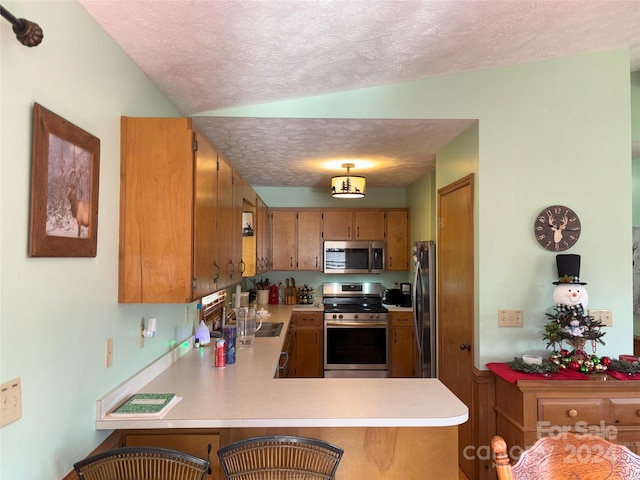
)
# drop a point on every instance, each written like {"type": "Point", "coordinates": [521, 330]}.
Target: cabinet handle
{"type": "Point", "coordinates": [291, 261]}
{"type": "Point", "coordinates": [243, 267]}
{"type": "Point", "coordinates": [390, 261]}
{"type": "Point", "coordinates": [358, 232]}
{"type": "Point", "coordinates": [465, 346]}
{"type": "Point", "coordinates": [638, 413]}
{"type": "Point", "coordinates": [233, 269]}
{"type": "Point", "coordinates": [215, 279]}
{"type": "Point", "coordinates": [573, 413]}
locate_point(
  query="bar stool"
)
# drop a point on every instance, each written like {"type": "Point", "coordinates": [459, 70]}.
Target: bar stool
{"type": "Point", "coordinates": [280, 457]}
{"type": "Point", "coordinates": [141, 463]}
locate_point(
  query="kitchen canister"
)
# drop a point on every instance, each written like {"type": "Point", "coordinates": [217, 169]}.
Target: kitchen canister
{"type": "Point", "coordinates": [230, 332]}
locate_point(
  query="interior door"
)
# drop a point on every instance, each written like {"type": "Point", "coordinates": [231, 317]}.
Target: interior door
{"type": "Point", "coordinates": [456, 299]}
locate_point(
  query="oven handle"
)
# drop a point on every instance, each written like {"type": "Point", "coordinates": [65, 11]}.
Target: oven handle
{"type": "Point", "coordinates": [381, 323]}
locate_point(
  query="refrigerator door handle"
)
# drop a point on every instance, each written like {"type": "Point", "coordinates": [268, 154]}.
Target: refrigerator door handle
{"type": "Point", "coordinates": [417, 304]}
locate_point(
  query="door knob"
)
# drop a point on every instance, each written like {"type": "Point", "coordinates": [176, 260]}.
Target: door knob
{"type": "Point", "coordinates": [465, 346]}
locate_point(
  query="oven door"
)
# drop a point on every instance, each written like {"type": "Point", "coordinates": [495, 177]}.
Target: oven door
{"type": "Point", "coordinates": [356, 348]}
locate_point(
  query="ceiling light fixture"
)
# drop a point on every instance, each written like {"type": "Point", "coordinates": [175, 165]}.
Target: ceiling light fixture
{"type": "Point", "coordinates": [348, 186]}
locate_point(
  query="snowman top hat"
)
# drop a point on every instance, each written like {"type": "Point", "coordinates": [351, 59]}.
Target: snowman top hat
{"type": "Point", "coordinates": [568, 269]}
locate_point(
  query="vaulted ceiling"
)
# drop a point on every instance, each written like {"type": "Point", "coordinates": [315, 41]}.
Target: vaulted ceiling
{"type": "Point", "coordinates": [215, 54]}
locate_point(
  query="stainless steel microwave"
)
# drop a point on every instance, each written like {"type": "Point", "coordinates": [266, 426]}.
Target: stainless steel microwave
{"type": "Point", "coordinates": [353, 257]}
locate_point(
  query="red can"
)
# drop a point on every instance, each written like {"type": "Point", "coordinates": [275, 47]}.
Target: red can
{"type": "Point", "coordinates": [220, 353]}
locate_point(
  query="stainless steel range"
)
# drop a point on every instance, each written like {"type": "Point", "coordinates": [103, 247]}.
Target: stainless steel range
{"type": "Point", "coordinates": [356, 330]}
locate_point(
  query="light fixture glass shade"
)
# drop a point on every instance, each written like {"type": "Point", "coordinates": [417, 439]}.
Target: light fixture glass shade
{"type": "Point", "coordinates": [348, 186]}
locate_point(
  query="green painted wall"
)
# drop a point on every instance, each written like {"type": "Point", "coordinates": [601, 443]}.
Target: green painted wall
{"type": "Point", "coordinates": [544, 129]}
{"type": "Point", "coordinates": [635, 106]}
{"type": "Point", "coordinates": [56, 313]}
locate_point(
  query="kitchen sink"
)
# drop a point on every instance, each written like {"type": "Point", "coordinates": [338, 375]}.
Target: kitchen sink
{"type": "Point", "coordinates": [270, 329]}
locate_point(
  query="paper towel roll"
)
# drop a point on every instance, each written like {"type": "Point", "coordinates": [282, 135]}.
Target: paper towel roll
{"type": "Point", "coordinates": [237, 297]}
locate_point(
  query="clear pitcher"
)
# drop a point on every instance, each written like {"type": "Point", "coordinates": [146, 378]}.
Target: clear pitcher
{"type": "Point", "coordinates": [247, 327]}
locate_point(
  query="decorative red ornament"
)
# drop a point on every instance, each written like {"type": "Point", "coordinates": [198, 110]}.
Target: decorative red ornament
{"type": "Point", "coordinates": [575, 366]}
{"type": "Point", "coordinates": [606, 361]}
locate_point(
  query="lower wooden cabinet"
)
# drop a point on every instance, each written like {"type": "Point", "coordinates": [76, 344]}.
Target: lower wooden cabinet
{"type": "Point", "coordinates": [203, 445]}
{"type": "Point", "coordinates": [402, 349]}
{"type": "Point", "coordinates": [307, 339]}
{"type": "Point", "coordinates": [528, 409]}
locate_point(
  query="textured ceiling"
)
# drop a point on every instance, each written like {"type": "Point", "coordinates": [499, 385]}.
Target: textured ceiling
{"type": "Point", "coordinates": [215, 54]}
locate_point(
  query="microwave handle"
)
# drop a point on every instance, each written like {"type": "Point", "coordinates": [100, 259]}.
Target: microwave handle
{"type": "Point", "coordinates": [370, 257]}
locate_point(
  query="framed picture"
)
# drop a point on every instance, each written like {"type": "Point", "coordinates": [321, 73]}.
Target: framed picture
{"type": "Point", "coordinates": [247, 224]}
{"type": "Point", "coordinates": [64, 188]}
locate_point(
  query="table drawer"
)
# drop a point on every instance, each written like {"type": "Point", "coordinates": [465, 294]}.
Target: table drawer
{"type": "Point", "coordinates": [562, 411]}
{"type": "Point", "coordinates": [626, 411]}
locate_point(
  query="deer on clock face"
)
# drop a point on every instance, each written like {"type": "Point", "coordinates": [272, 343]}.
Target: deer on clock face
{"type": "Point", "coordinates": [557, 228]}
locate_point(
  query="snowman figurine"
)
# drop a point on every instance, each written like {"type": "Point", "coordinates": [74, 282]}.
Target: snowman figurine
{"type": "Point", "coordinates": [570, 294]}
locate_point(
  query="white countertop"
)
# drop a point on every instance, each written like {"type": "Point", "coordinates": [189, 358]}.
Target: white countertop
{"type": "Point", "coordinates": [246, 394]}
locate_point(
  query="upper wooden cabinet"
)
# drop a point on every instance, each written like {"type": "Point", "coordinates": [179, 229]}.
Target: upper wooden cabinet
{"type": "Point", "coordinates": [397, 240]}
{"type": "Point", "coordinates": [348, 224]}
{"type": "Point", "coordinates": [296, 239]}
{"type": "Point", "coordinates": [263, 239]}
{"type": "Point", "coordinates": [226, 269]}
{"type": "Point", "coordinates": [167, 212]}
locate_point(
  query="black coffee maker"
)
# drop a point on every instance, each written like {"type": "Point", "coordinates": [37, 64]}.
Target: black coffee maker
{"type": "Point", "coordinates": [400, 297]}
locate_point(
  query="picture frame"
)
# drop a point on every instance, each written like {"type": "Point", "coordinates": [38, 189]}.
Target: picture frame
{"type": "Point", "coordinates": [247, 224]}
{"type": "Point", "coordinates": [64, 188]}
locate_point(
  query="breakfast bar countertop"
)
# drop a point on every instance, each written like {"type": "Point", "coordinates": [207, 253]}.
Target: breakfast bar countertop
{"type": "Point", "coordinates": [248, 394]}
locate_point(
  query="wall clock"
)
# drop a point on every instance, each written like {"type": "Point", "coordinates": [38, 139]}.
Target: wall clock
{"type": "Point", "coordinates": [557, 228]}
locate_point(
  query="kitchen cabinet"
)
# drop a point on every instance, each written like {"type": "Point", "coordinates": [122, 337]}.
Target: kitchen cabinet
{"type": "Point", "coordinates": [296, 239]}
{"type": "Point", "coordinates": [349, 224]}
{"type": "Point", "coordinates": [168, 212]}
{"type": "Point", "coordinates": [397, 240]}
{"type": "Point", "coordinates": [196, 444]}
{"type": "Point", "coordinates": [402, 349]}
{"type": "Point", "coordinates": [309, 240]}
{"type": "Point", "coordinates": [527, 409]}
{"type": "Point", "coordinates": [283, 250]}
{"type": "Point", "coordinates": [228, 270]}
{"type": "Point", "coordinates": [307, 337]}
{"type": "Point", "coordinates": [263, 237]}
{"type": "Point", "coordinates": [240, 189]}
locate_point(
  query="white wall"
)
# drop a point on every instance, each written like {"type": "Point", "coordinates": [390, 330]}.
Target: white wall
{"type": "Point", "coordinates": [56, 313]}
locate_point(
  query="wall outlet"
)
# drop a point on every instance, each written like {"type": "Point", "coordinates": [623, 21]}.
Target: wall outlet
{"type": "Point", "coordinates": [10, 401]}
{"type": "Point", "coordinates": [510, 318]}
{"type": "Point", "coordinates": [604, 316]}
{"type": "Point", "coordinates": [108, 352]}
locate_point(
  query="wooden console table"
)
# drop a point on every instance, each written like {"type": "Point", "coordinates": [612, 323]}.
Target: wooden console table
{"type": "Point", "coordinates": [601, 404]}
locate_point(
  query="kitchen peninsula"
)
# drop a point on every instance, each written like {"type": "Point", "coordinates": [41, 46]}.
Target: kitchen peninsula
{"type": "Point", "coordinates": [390, 428]}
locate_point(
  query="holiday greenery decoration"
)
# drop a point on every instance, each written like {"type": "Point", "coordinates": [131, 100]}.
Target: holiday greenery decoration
{"type": "Point", "coordinates": [546, 367]}
{"type": "Point", "coordinates": [625, 367]}
{"type": "Point", "coordinates": [568, 323]}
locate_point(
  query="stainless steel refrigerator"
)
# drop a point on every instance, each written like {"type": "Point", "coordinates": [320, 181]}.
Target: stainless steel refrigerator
{"type": "Point", "coordinates": [424, 306]}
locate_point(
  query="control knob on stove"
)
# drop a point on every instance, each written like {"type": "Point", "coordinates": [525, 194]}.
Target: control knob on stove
{"type": "Point", "coordinates": [337, 316]}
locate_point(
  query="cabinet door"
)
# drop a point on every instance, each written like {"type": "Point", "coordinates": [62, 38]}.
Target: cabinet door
{"type": "Point", "coordinates": [224, 231]}
{"type": "Point", "coordinates": [283, 226]}
{"type": "Point", "coordinates": [263, 239]}
{"type": "Point", "coordinates": [196, 444]}
{"type": "Point", "coordinates": [237, 246]}
{"type": "Point", "coordinates": [369, 224]}
{"type": "Point", "coordinates": [402, 345]}
{"type": "Point", "coordinates": [337, 224]}
{"type": "Point", "coordinates": [309, 344]}
{"type": "Point", "coordinates": [308, 241]}
{"type": "Point", "coordinates": [205, 219]}
{"type": "Point", "coordinates": [397, 236]}
{"type": "Point", "coordinates": [157, 180]}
